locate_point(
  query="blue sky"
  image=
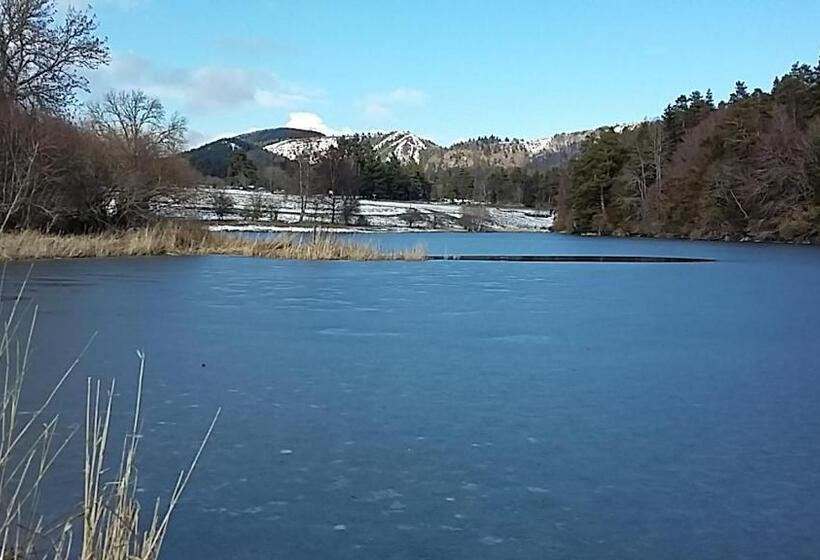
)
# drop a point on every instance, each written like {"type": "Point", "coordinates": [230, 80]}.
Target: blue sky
{"type": "Point", "coordinates": [446, 69]}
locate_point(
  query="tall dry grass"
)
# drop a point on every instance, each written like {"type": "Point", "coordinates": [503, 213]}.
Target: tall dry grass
{"type": "Point", "coordinates": [109, 524]}
{"type": "Point", "coordinates": [112, 513]}
{"type": "Point", "coordinates": [183, 238]}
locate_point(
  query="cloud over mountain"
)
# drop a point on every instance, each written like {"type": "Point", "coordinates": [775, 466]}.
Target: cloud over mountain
{"type": "Point", "coordinates": [312, 121]}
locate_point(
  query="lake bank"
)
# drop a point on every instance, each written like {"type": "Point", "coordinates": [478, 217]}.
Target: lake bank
{"type": "Point", "coordinates": [711, 237]}
{"type": "Point", "coordinates": [179, 238]}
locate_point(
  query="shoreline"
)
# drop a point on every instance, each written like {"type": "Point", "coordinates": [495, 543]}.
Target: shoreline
{"type": "Point", "coordinates": [187, 239]}
{"type": "Point", "coordinates": [284, 228]}
{"type": "Point", "coordinates": [325, 229]}
{"type": "Point", "coordinates": [176, 238]}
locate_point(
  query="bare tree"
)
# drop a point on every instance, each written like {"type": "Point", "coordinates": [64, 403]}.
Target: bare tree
{"type": "Point", "coordinates": [142, 140]}
{"type": "Point", "coordinates": [138, 124]}
{"type": "Point", "coordinates": [42, 62]}
{"type": "Point", "coordinates": [349, 208]}
{"type": "Point", "coordinates": [412, 216]}
{"type": "Point", "coordinates": [481, 175]}
{"type": "Point", "coordinates": [337, 173]}
{"type": "Point", "coordinates": [21, 148]}
{"type": "Point", "coordinates": [273, 211]}
{"type": "Point", "coordinates": [52, 174]}
{"type": "Point", "coordinates": [304, 183]}
{"type": "Point", "coordinates": [255, 207]}
{"type": "Point", "coordinates": [475, 218]}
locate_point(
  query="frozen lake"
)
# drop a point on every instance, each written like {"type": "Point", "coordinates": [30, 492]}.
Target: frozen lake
{"type": "Point", "coordinates": [461, 410]}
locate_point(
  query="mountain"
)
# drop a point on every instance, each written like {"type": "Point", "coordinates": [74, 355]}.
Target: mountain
{"type": "Point", "coordinates": [272, 135]}
{"type": "Point", "coordinates": [492, 151]}
{"type": "Point", "coordinates": [408, 148]}
{"type": "Point", "coordinates": [266, 146]}
{"type": "Point", "coordinates": [313, 148]}
{"type": "Point", "coordinates": [213, 158]}
{"type": "Point", "coordinates": [403, 146]}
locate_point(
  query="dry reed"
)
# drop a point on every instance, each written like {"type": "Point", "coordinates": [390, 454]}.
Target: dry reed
{"type": "Point", "coordinates": [179, 238]}
{"type": "Point", "coordinates": [111, 520]}
{"type": "Point", "coordinates": [112, 528]}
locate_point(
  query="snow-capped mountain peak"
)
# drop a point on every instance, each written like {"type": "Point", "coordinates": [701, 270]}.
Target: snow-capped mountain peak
{"type": "Point", "coordinates": [311, 149]}
{"type": "Point", "coordinates": [402, 145]}
{"type": "Point", "coordinates": [405, 147]}
{"type": "Point", "coordinates": [555, 144]}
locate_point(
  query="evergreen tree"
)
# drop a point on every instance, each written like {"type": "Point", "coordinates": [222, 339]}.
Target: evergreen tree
{"type": "Point", "coordinates": [674, 126]}
{"type": "Point", "coordinates": [741, 92]}
{"type": "Point", "coordinates": [241, 170]}
{"type": "Point", "coordinates": [710, 101]}
{"type": "Point", "coordinates": [593, 176]}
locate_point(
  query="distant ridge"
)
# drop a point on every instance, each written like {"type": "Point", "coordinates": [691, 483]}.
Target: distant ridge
{"type": "Point", "coordinates": [267, 145]}
{"type": "Point", "coordinates": [271, 135]}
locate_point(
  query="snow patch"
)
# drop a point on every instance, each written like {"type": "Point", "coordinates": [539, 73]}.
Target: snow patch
{"type": "Point", "coordinates": [311, 149]}
{"type": "Point", "coordinates": [403, 146]}
{"type": "Point", "coordinates": [282, 213]}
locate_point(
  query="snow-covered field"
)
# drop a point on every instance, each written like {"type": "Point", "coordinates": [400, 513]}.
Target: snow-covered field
{"type": "Point", "coordinates": [281, 212]}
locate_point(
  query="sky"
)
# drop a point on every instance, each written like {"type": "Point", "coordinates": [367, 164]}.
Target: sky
{"type": "Point", "coordinates": [445, 69]}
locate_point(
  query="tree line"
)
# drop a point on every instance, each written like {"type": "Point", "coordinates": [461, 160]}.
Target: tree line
{"type": "Point", "coordinates": [748, 167]}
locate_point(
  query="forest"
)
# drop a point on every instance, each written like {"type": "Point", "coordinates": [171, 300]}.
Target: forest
{"type": "Point", "coordinates": [746, 168]}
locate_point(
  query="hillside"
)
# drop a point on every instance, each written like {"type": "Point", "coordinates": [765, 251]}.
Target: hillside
{"type": "Point", "coordinates": [272, 135]}
{"type": "Point", "coordinates": [290, 144]}
{"type": "Point", "coordinates": [213, 159]}
{"type": "Point", "coordinates": [492, 151]}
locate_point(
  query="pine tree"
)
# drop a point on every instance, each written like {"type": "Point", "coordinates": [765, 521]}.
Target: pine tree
{"type": "Point", "coordinates": [741, 92]}
{"type": "Point", "coordinates": [710, 101]}
{"type": "Point", "coordinates": [593, 176]}
{"type": "Point", "coordinates": [242, 170]}
{"type": "Point", "coordinates": [674, 127]}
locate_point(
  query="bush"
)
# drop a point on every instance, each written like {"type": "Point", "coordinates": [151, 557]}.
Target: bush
{"type": "Point", "coordinates": [222, 204]}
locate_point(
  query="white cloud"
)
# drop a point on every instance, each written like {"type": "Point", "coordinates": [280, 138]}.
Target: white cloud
{"type": "Point", "coordinates": [200, 90]}
{"type": "Point", "coordinates": [312, 121]}
{"type": "Point", "coordinates": [382, 106]}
